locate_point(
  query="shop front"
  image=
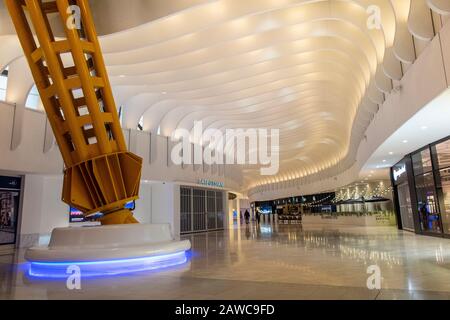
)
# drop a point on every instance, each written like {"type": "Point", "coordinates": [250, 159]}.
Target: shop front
{"type": "Point", "coordinates": [201, 209]}
{"type": "Point", "coordinates": [422, 190]}
{"type": "Point", "coordinates": [10, 190]}
{"type": "Point", "coordinates": [359, 204]}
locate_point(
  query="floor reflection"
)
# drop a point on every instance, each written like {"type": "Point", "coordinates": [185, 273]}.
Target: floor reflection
{"type": "Point", "coordinates": [323, 255]}
{"type": "Point", "coordinates": [8, 272]}
{"type": "Point", "coordinates": [269, 261]}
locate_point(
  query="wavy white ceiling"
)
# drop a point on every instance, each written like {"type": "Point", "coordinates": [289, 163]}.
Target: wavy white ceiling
{"type": "Point", "coordinates": [311, 68]}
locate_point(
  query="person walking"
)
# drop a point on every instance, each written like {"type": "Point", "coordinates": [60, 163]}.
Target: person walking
{"type": "Point", "coordinates": [247, 217]}
{"type": "Point", "coordinates": [258, 217]}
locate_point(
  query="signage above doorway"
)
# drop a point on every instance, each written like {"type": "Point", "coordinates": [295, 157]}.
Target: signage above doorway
{"type": "Point", "coordinates": [210, 183]}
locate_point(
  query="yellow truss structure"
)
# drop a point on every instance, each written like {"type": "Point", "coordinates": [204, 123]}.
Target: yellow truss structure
{"type": "Point", "coordinates": [70, 75]}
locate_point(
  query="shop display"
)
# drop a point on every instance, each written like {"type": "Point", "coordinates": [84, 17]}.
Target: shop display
{"type": "Point", "coordinates": [9, 208]}
{"type": "Point", "coordinates": [290, 214]}
{"type": "Point", "coordinates": [422, 185]}
{"type": "Point", "coordinates": [264, 209]}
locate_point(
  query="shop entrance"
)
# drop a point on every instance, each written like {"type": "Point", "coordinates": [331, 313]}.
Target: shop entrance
{"type": "Point", "coordinates": [10, 188]}
{"type": "Point", "coordinates": [406, 210]}
{"type": "Point", "coordinates": [201, 210]}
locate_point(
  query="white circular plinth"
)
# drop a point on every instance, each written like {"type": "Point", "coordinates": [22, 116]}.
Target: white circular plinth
{"type": "Point", "coordinates": [107, 250]}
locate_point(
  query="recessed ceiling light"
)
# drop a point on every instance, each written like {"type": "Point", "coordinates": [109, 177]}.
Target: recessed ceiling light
{"type": "Point", "coordinates": [384, 160]}
{"type": "Point", "coordinates": [164, 92]}
{"type": "Point", "coordinates": [405, 141]}
{"type": "Point", "coordinates": [391, 153]}
{"type": "Point", "coordinates": [122, 76]}
{"type": "Point", "coordinates": [424, 127]}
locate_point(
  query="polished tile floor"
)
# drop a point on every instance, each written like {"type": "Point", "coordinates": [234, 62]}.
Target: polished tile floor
{"type": "Point", "coordinates": [270, 261]}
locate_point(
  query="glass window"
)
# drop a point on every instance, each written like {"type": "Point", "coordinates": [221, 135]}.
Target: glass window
{"type": "Point", "coordinates": [441, 153]}
{"type": "Point", "coordinates": [427, 203]}
{"type": "Point", "coordinates": [422, 162]}
{"type": "Point", "coordinates": [3, 84]}
{"type": "Point", "coordinates": [33, 99]}
{"type": "Point", "coordinates": [406, 211]}
{"type": "Point", "coordinates": [444, 187]}
{"type": "Point", "coordinates": [9, 208]}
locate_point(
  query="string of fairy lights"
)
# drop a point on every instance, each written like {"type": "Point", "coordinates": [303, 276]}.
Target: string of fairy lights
{"type": "Point", "coordinates": [357, 193]}
{"type": "Point", "coordinates": [314, 203]}
{"type": "Point", "coordinates": [364, 192]}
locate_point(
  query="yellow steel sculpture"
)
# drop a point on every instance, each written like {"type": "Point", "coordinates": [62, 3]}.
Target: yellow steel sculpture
{"type": "Point", "coordinates": [70, 74]}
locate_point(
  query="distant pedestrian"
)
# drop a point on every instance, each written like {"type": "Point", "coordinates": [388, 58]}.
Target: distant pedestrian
{"type": "Point", "coordinates": [247, 217]}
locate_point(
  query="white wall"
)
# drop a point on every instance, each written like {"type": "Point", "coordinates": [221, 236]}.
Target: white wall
{"type": "Point", "coordinates": [29, 156]}
{"type": "Point", "coordinates": [244, 204]}
{"type": "Point", "coordinates": [166, 205]}
{"type": "Point", "coordinates": [43, 209]}
{"type": "Point", "coordinates": [54, 213]}
{"type": "Point", "coordinates": [30, 217]}
{"type": "Point", "coordinates": [143, 211]}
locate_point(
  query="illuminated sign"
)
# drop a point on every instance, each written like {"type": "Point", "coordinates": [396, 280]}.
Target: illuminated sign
{"type": "Point", "coordinates": [10, 183]}
{"type": "Point", "coordinates": [210, 183]}
{"type": "Point", "coordinates": [399, 172]}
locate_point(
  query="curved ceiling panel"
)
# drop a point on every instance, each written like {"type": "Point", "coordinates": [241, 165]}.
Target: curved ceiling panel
{"type": "Point", "coordinates": [315, 69]}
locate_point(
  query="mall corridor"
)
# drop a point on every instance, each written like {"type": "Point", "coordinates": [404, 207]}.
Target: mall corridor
{"type": "Point", "coordinates": [217, 150]}
{"type": "Point", "coordinates": [269, 262]}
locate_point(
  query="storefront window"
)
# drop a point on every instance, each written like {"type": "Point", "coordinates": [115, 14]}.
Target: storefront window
{"type": "Point", "coordinates": [406, 211]}
{"type": "Point", "coordinates": [427, 203]}
{"type": "Point", "coordinates": [441, 158]}
{"type": "Point", "coordinates": [422, 162]}
{"type": "Point", "coordinates": [9, 208]}
{"type": "Point", "coordinates": [441, 153]}
{"type": "Point", "coordinates": [444, 187]}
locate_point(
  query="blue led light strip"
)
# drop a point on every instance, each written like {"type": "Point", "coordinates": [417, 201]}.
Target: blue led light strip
{"type": "Point", "coordinates": [106, 267]}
